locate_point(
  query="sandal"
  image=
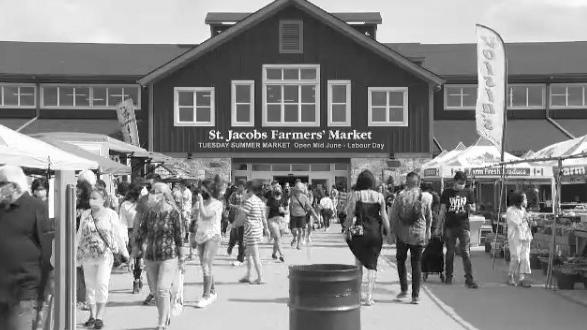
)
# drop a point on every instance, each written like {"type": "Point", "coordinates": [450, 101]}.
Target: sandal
{"type": "Point", "coordinates": [90, 323]}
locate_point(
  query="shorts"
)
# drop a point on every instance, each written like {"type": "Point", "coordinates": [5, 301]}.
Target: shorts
{"type": "Point", "coordinates": [297, 222]}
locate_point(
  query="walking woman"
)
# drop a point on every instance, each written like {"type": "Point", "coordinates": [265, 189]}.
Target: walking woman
{"type": "Point", "coordinates": [208, 235]}
{"type": "Point", "coordinates": [128, 216]}
{"type": "Point", "coordinates": [519, 238]}
{"type": "Point", "coordinates": [97, 240]}
{"type": "Point", "coordinates": [327, 209]}
{"type": "Point", "coordinates": [366, 232]}
{"type": "Point", "coordinates": [255, 227]}
{"type": "Point", "coordinates": [299, 207]}
{"type": "Point", "coordinates": [276, 212]}
{"type": "Point", "coordinates": [162, 229]}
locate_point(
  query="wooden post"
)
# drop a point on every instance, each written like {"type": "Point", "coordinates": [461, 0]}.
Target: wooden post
{"type": "Point", "coordinates": [64, 254]}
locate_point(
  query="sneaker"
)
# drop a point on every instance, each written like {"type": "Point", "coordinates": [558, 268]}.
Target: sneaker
{"type": "Point", "coordinates": [415, 301]}
{"type": "Point", "coordinates": [448, 280]}
{"type": "Point", "coordinates": [282, 259]}
{"type": "Point", "coordinates": [98, 325]}
{"type": "Point", "coordinates": [274, 256]}
{"type": "Point", "coordinates": [204, 302]}
{"type": "Point", "coordinates": [90, 323]}
{"type": "Point", "coordinates": [149, 300]}
{"type": "Point", "coordinates": [402, 295]}
{"type": "Point", "coordinates": [471, 284]}
{"type": "Point", "coordinates": [237, 263]}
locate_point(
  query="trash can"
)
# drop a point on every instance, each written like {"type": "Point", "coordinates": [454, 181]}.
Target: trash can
{"type": "Point", "coordinates": [325, 297]}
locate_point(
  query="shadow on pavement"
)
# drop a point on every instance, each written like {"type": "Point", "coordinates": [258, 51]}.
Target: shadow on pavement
{"type": "Point", "coordinates": [264, 301]}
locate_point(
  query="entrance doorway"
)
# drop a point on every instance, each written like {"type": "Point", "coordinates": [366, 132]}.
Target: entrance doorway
{"type": "Point", "coordinates": [291, 179]}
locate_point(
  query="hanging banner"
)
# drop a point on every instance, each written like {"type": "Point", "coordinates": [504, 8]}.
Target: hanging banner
{"type": "Point", "coordinates": [128, 122]}
{"type": "Point", "coordinates": [491, 75]}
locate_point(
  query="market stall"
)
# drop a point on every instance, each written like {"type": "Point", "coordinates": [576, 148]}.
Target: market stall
{"type": "Point", "coordinates": [432, 169]}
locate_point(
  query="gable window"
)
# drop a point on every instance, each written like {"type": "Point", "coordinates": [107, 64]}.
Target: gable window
{"type": "Point", "coordinates": [194, 106]}
{"type": "Point", "coordinates": [525, 96]}
{"type": "Point", "coordinates": [18, 95]}
{"type": "Point", "coordinates": [339, 103]}
{"type": "Point", "coordinates": [243, 106]}
{"type": "Point", "coordinates": [64, 96]}
{"type": "Point", "coordinates": [291, 37]}
{"type": "Point", "coordinates": [568, 96]}
{"type": "Point", "coordinates": [460, 97]}
{"type": "Point", "coordinates": [291, 95]}
{"type": "Point", "coordinates": [388, 106]}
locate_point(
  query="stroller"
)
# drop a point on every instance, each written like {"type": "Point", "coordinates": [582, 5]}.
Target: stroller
{"type": "Point", "coordinates": [433, 258]}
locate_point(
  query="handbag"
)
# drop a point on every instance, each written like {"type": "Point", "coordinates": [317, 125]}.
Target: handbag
{"type": "Point", "coordinates": [120, 253]}
{"type": "Point", "coordinates": [356, 229]}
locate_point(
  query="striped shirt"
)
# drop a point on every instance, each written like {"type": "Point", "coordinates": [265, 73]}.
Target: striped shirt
{"type": "Point", "coordinates": [255, 211]}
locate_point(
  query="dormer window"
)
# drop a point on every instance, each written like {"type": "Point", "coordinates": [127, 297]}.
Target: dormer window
{"type": "Point", "coordinates": [291, 37]}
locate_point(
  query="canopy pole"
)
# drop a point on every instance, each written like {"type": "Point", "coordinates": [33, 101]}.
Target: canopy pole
{"type": "Point", "coordinates": [557, 213]}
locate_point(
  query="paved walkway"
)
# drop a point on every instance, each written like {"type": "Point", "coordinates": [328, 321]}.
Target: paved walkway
{"type": "Point", "coordinates": [265, 307]}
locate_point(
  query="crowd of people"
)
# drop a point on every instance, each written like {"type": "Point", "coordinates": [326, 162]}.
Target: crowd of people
{"type": "Point", "coordinates": [153, 227]}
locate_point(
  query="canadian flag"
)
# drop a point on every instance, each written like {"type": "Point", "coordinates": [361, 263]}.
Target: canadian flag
{"type": "Point", "coordinates": [538, 171]}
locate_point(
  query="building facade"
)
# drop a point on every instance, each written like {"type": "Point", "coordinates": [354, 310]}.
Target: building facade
{"type": "Point", "coordinates": [291, 91]}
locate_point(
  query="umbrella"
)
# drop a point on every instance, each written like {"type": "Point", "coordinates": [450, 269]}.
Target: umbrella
{"type": "Point", "coordinates": [25, 151]}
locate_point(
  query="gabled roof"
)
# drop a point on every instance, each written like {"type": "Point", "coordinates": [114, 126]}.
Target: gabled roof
{"type": "Point", "coordinates": [83, 59]}
{"type": "Point", "coordinates": [270, 9]}
{"type": "Point", "coordinates": [525, 59]}
{"type": "Point", "coordinates": [364, 17]}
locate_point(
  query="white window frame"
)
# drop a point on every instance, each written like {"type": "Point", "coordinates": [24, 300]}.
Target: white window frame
{"type": "Point", "coordinates": [18, 85]}
{"type": "Point", "coordinates": [567, 107]}
{"type": "Point", "coordinates": [251, 84]}
{"type": "Point", "coordinates": [510, 96]}
{"type": "Point", "coordinates": [388, 123]}
{"type": "Point", "coordinates": [315, 82]}
{"type": "Point", "coordinates": [178, 123]}
{"type": "Point", "coordinates": [301, 36]}
{"type": "Point", "coordinates": [347, 84]}
{"type": "Point", "coordinates": [453, 108]}
{"type": "Point", "coordinates": [91, 91]}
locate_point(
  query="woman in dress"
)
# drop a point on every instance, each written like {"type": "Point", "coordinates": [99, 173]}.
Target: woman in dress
{"type": "Point", "coordinates": [97, 240]}
{"type": "Point", "coordinates": [519, 238]}
{"type": "Point", "coordinates": [163, 230]}
{"type": "Point", "coordinates": [208, 235]}
{"type": "Point", "coordinates": [255, 227]}
{"type": "Point", "coordinates": [367, 227]}
{"type": "Point", "coordinates": [276, 212]}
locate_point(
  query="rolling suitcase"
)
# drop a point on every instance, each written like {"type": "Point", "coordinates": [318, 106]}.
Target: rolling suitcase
{"type": "Point", "coordinates": [433, 258]}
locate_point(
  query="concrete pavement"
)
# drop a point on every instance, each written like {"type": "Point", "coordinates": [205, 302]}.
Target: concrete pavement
{"type": "Point", "coordinates": [243, 306]}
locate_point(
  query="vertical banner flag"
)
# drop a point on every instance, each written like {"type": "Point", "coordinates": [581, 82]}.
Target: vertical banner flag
{"type": "Point", "coordinates": [128, 122]}
{"type": "Point", "coordinates": [491, 90]}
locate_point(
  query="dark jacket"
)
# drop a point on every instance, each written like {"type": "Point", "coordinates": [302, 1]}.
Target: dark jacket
{"type": "Point", "coordinates": [25, 249]}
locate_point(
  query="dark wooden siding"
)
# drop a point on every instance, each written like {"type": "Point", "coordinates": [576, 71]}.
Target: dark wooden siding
{"type": "Point", "coordinates": [340, 58]}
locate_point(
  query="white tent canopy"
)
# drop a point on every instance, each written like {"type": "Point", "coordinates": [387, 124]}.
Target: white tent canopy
{"type": "Point", "coordinates": [22, 150]}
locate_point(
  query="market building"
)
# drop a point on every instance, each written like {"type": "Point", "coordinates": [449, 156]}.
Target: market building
{"type": "Point", "coordinates": [292, 91]}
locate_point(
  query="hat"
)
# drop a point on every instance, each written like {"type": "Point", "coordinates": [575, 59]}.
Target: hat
{"type": "Point", "coordinates": [14, 174]}
{"type": "Point", "coordinates": [88, 176]}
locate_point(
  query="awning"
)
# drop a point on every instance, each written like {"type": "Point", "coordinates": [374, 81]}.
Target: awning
{"type": "Point", "coordinates": [109, 127]}
{"type": "Point", "coordinates": [113, 144]}
{"type": "Point", "coordinates": [577, 127]}
{"type": "Point", "coordinates": [105, 165]}
{"type": "Point", "coordinates": [522, 135]}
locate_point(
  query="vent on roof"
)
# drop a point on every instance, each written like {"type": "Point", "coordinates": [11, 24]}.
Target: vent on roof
{"type": "Point", "coordinates": [291, 37]}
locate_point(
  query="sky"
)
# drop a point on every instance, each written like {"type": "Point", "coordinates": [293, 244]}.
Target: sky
{"type": "Point", "coordinates": [182, 21]}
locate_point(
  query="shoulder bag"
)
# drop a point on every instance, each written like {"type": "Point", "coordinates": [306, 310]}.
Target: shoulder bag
{"type": "Point", "coordinates": [356, 228]}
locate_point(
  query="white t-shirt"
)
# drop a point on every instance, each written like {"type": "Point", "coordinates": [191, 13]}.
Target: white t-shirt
{"type": "Point", "coordinates": [326, 203]}
{"type": "Point", "coordinates": [127, 214]}
{"type": "Point", "coordinates": [210, 227]}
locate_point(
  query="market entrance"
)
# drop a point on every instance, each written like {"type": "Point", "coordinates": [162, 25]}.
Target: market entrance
{"type": "Point", "coordinates": [291, 179]}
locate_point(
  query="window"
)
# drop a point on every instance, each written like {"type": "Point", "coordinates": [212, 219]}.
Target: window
{"type": "Point", "coordinates": [525, 96]}
{"type": "Point", "coordinates": [300, 167]}
{"type": "Point", "coordinates": [568, 96]}
{"type": "Point", "coordinates": [291, 37]}
{"type": "Point", "coordinates": [18, 96]}
{"type": "Point", "coordinates": [339, 103]}
{"type": "Point", "coordinates": [320, 167]}
{"type": "Point", "coordinates": [243, 106]}
{"type": "Point", "coordinates": [291, 95]}
{"type": "Point", "coordinates": [194, 106]}
{"type": "Point", "coordinates": [261, 167]}
{"type": "Point", "coordinates": [460, 97]}
{"type": "Point", "coordinates": [388, 106]}
{"type": "Point", "coordinates": [281, 167]}
{"type": "Point", "coordinates": [88, 96]}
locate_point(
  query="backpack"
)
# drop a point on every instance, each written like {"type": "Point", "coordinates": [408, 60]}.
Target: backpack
{"type": "Point", "coordinates": [409, 214]}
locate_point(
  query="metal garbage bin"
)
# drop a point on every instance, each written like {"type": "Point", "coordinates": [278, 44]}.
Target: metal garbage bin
{"type": "Point", "coordinates": [325, 297]}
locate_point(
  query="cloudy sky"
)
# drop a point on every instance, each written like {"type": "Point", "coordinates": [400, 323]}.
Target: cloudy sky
{"type": "Point", "coordinates": [182, 21]}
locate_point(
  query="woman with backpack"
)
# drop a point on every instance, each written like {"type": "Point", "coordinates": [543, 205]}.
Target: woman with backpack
{"type": "Point", "coordinates": [365, 231]}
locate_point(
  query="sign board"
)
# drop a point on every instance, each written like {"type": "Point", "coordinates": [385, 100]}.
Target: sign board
{"type": "Point", "coordinates": [428, 172]}
{"type": "Point", "coordinates": [574, 170]}
{"type": "Point", "coordinates": [291, 140]}
{"type": "Point", "coordinates": [128, 122]}
{"type": "Point", "coordinates": [496, 171]}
